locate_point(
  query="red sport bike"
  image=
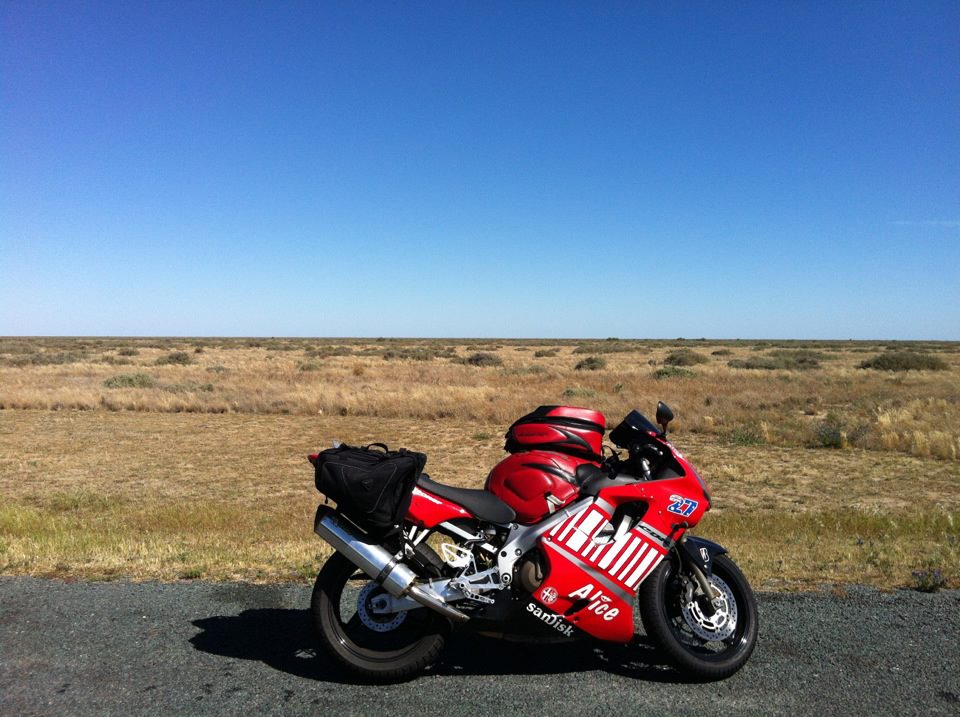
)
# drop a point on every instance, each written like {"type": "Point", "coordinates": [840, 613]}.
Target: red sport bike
{"type": "Point", "coordinates": [568, 537]}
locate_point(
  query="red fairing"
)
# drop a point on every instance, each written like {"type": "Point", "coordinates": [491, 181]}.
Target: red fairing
{"type": "Point", "coordinates": [428, 510]}
{"type": "Point", "coordinates": [672, 501]}
{"type": "Point", "coordinates": [524, 480]}
{"type": "Point", "coordinates": [591, 578]}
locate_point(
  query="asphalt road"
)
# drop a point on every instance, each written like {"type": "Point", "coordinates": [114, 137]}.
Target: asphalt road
{"type": "Point", "coordinates": [225, 649]}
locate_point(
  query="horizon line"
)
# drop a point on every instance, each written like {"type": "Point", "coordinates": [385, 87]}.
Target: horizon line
{"type": "Point", "coordinates": [252, 337]}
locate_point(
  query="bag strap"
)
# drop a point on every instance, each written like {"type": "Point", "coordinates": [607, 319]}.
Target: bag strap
{"type": "Point", "coordinates": [381, 445]}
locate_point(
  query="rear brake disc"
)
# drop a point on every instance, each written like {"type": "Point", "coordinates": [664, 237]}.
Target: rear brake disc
{"type": "Point", "coordinates": [370, 619]}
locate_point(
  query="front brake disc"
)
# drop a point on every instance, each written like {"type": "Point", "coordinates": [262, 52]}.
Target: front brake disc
{"type": "Point", "coordinates": [718, 626]}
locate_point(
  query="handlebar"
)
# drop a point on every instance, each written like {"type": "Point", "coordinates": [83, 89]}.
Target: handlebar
{"type": "Point", "coordinates": [642, 462]}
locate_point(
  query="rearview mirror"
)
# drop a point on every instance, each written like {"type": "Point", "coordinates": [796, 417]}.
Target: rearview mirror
{"type": "Point", "coordinates": [664, 415]}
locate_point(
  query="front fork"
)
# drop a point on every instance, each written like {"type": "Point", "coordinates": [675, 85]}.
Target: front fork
{"type": "Point", "coordinates": [696, 555]}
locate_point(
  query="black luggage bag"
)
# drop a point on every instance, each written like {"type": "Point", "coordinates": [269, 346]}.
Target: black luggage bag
{"type": "Point", "coordinates": [371, 485]}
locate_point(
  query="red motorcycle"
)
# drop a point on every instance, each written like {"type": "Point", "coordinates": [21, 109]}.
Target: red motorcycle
{"type": "Point", "coordinates": [567, 538]}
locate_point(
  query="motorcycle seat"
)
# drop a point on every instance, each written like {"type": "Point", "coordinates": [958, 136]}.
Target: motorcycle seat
{"type": "Point", "coordinates": [482, 503]}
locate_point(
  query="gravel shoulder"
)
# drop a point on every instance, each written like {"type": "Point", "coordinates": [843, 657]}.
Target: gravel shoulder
{"type": "Point", "coordinates": [230, 648]}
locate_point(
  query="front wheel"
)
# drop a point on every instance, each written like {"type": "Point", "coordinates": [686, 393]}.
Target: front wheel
{"type": "Point", "coordinates": [379, 648]}
{"type": "Point", "coordinates": [709, 642]}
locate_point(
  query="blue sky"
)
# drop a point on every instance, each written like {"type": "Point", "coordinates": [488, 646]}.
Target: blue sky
{"type": "Point", "coordinates": [769, 169]}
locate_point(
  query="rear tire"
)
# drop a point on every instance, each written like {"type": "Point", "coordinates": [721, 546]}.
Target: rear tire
{"type": "Point", "coordinates": [370, 645]}
{"type": "Point", "coordinates": [706, 647]}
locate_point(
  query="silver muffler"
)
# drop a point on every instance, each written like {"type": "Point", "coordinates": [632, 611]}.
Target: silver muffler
{"type": "Point", "coordinates": [396, 578]}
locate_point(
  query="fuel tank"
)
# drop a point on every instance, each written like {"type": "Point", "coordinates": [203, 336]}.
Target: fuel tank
{"type": "Point", "coordinates": [536, 483]}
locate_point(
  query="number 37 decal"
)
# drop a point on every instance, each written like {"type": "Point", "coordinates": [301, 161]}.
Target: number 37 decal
{"type": "Point", "coordinates": [682, 506]}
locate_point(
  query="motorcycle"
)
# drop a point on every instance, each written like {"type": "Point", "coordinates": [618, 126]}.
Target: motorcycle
{"type": "Point", "coordinates": [568, 538]}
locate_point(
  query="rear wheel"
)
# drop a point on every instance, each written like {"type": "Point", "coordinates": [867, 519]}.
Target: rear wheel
{"type": "Point", "coordinates": [709, 642]}
{"type": "Point", "coordinates": [380, 648]}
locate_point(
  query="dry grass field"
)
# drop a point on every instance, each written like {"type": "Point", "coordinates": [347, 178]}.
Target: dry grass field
{"type": "Point", "coordinates": [185, 458]}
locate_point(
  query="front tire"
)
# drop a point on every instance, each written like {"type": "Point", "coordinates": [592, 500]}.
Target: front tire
{"type": "Point", "coordinates": [379, 648]}
{"type": "Point", "coordinates": [709, 647]}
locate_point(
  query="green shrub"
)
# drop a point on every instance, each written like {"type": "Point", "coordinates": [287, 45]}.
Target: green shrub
{"type": "Point", "coordinates": [418, 354]}
{"type": "Point", "coordinates": [796, 360]}
{"type": "Point", "coordinates": [800, 356]}
{"type": "Point", "coordinates": [830, 432]}
{"type": "Point", "coordinates": [591, 363]}
{"type": "Point", "coordinates": [481, 358]}
{"type": "Point", "coordinates": [578, 392]}
{"type": "Point", "coordinates": [176, 358]}
{"type": "Point", "coordinates": [685, 357]}
{"type": "Point", "coordinates": [763, 363]}
{"type": "Point", "coordinates": [545, 353]}
{"type": "Point", "coordinates": [325, 351]}
{"type": "Point", "coordinates": [128, 352]}
{"type": "Point", "coordinates": [188, 387]}
{"type": "Point", "coordinates": [673, 372]}
{"type": "Point", "coordinates": [131, 380]}
{"type": "Point", "coordinates": [748, 434]}
{"type": "Point", "coordinates": [721, 352]}
{"type": "Point", "coordinates": [905, 361]}
{"type": "Point", "coordinates": [46, 359]}
{"type": "Point", "coordinates": [833, 432]}
{"type": "Point", "coordinates": [928, 581]}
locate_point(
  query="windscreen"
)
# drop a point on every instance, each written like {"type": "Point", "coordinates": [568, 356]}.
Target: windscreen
{"type": "Point", "coordinates": [634, 427]}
